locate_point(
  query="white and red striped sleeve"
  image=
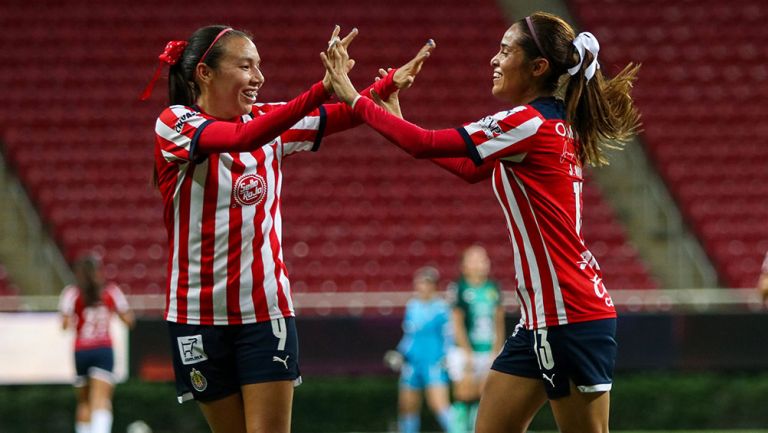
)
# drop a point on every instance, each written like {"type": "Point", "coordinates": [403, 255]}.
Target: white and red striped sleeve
{"type": "Point", "coordinates": [67, 300]}
{"type": "Point", "coordinates": [115, 298]}
{"type": "Point", "coordinates": [178, 129]}
{"type": "Point", "coordinates": [305, 135]}
{"type": "Point", "coordinates": [503, 134]}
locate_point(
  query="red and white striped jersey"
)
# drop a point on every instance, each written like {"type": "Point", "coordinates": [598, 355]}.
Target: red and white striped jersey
{"type": "Point", "coordinates": [538, 182]}
{"type": "Point", "coordinates": [92, 322]}
{"type": "Point", "coordinates": [222, 214]}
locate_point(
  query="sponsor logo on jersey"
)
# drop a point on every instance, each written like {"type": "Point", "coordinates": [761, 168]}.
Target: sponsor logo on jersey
{"type": "Point", "coordinates": [191, 349]}
{"type": "Point", "coordinates": [199, 382]}
{"type": "Point", "coordinates": [250, 190]}
{"type": "Point", "coordinates": [490, 127]}
{"type": "Point", "coordinates": [601, 291]}
{"type": "Point", "coordinates": [183, 119]}
{"type": "Point", "coordinates": [566, 132]}
{"type": "Point", "coordinates": [588, 261]}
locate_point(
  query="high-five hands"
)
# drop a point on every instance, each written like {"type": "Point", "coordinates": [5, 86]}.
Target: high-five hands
{"type": "Point", "coordinates": [336, 58]}
{"type": "Point", "coordinates": [335, 41]}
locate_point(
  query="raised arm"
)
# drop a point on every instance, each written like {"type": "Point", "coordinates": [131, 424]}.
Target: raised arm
{"type": "Point", "coordinates": [218, 137]}
{"type": "Point", "coordinates": [249, 136]}
{"type": "Point", "coordinates": [466, 168]}
{"type": "Point", "coordinates": [418, 142]}
{"type": "Point", "coordinates": [341, 117]}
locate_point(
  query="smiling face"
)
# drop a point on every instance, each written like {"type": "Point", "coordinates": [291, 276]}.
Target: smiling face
{"type": "Point", "coordinates": [231, 89]}
{"type": "Point", "coordinates": [513, 73]}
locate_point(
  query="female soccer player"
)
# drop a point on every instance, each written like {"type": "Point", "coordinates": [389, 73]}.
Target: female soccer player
{"type": "Point", "coordinates": [218, 159]}
{"type": "Point", "coordinates": [426, 337]}
{"type": "Point", "coordinates": [88, 307]}
{"type": "Point", "coordinates": [534, 152]}
{"type": "Point", "coordinates": [478, 327]}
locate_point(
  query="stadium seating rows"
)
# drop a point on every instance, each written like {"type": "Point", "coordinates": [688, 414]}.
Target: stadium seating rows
{"type": "Point", "coordinates": [358, 215]}
{"type": "Point", "coordinates": [703, 74]}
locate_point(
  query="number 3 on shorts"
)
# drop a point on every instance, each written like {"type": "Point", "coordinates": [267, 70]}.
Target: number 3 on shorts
{"type": "Point", "coordinates": [280, 332]}
{"type": "Point", "coordinates": [543, 351]}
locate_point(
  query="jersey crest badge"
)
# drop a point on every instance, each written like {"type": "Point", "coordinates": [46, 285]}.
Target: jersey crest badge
{"type": "Point", "coordinates": [249, 190]}
{"type": "Point", "coordinates": [199, 382]}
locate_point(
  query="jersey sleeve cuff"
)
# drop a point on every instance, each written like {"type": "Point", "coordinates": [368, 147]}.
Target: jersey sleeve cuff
{"type": "Point", "coordinates": [474, 155]}
{"type": "Point", "coordinates": [320, 129]}
{"type": "Point", "coordinates": [193, 145]}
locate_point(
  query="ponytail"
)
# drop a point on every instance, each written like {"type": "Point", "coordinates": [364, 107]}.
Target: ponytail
{"type": "Point", "coordinates": [600, 109]}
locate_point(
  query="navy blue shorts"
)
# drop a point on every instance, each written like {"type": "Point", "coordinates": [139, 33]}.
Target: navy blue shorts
{"type": "Point", "coordinates": [583, 353]}
{"type": "Point", "coordinates": [96, 363]}
{"type": "Point", "coordinates": [212, 362]}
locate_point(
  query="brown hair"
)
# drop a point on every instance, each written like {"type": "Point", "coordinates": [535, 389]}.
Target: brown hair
{"type": "Point", "coordinates": [89, 284]}
{"type": "Point", "coordinates": [602, 112]}
{"type": "Point", "coordinates": [182, 88]}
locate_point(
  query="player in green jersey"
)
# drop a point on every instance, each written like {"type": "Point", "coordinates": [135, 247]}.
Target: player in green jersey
{"type": "Point", "coordinates": [478, 322]}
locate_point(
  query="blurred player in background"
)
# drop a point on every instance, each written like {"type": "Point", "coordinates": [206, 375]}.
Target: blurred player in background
{"type": "Point", "coordinates": [426, 338]}
{"type": "Point", "coordinates": [564, 349]}
{"type": "Point", "coordinates": [218, 159]}
{"type": "Point", "coordinates": [87, 307]}
{"type": "Point", "coordinates": [762, 282]}
{"type": "Point", "coordinates": [478, 327]}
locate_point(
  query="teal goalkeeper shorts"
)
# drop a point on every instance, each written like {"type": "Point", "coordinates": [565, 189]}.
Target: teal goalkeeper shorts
{"type": "Point", "coordinates": [423, 375]}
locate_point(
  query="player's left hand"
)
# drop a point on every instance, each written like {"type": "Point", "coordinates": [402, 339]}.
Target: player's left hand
{"type": "Point", "coordinates": [406, 74]}
{"type": "Point", "coordinates": [336, 60]}
{"type": "Point", "coordinates": [344, 43]}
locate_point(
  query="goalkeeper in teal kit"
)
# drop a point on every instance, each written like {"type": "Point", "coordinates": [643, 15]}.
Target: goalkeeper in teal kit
{"type": "Point", "coordinates": [478, 324]}
{"type": "Point", "coordinates": [426, 338]}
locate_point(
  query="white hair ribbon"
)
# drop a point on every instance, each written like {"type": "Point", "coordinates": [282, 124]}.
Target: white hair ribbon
{"type": "Point", "coordinates": [586, 41]}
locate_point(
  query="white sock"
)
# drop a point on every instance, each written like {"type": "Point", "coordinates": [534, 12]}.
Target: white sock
{"type": "Point", "coordinates": [82, 427]}
{"type": "Point", "coordinates": [101, 421]}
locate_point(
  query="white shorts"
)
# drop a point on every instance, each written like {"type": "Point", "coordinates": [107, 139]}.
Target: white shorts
{"type": "Point", "coordinates": [457, 361]}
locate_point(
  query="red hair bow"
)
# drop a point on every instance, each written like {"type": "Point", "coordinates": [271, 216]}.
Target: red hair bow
{"type": "Point", "coordinates": [171, 55]}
